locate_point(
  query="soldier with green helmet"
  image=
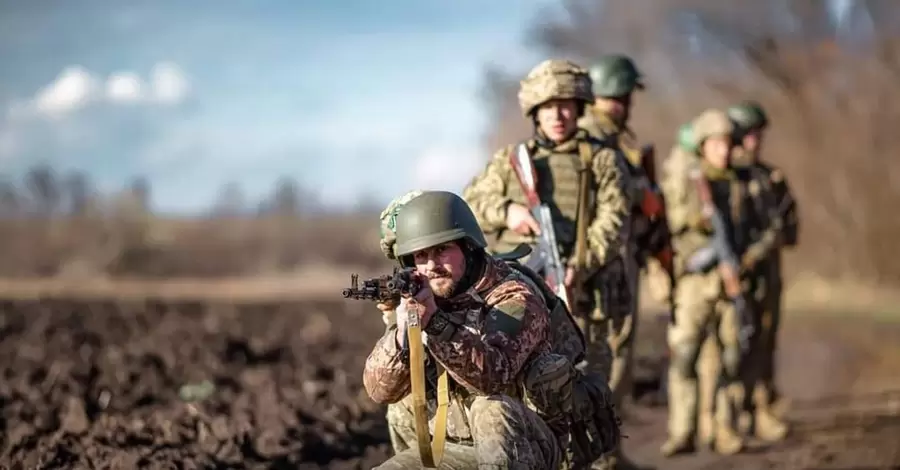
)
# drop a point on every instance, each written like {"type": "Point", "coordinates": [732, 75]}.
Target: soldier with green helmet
{"type": "Point", "coordinates": [772, 195]}
{"type": "Point", "coordinates": [615, 80]}
{"type": "Point", "coordinates": [702, 304]}
{"type": "Point", "coordinates": [491, 327]}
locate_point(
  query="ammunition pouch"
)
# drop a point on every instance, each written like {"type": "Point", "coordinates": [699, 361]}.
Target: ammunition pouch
{"type": "Point", "coordinates": [594, 425]}
{"type": "Point", "coordinates": [548, 386]}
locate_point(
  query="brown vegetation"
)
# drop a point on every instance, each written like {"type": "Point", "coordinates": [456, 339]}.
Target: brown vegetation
{"type": "Point", "coordinates": [59, 226]}
{"type": "Point", "coordinates": [831, 93]}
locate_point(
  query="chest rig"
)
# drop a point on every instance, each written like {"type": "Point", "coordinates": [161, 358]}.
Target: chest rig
{"type": "Point", "coordinates": [559, 171]}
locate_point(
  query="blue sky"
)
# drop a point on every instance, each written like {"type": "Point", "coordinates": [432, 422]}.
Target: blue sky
{"type": "Point", "coordinates": [354, 98]}
{"type": "Point", "coordinates": [351, 97]}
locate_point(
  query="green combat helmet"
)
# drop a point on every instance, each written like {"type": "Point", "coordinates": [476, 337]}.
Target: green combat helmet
{"type": "Point", "coordinates": [748, 116]}
{"type": "Point", "coordinates": [686, 138]}
{"type": "Point", "coordinates": [614, 76]}
{"type": "Point", "coordinates": [388, 220]}
{"type": "Point", "coordinates": [554, 79]}
{"type": "Point", "coordinates": [433, 218]}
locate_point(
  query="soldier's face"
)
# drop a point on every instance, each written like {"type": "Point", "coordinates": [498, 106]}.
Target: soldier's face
{"type": "Point", "coordinates": [444, 265]}
{"type": "Point", "coordinates": [558, 119]}
{"type": "Point", "coordinates": [717, 151]}
{"type": "Point", "coordinates": [618, 108]}
{"type": "Point", "coordinates": [752, 141]}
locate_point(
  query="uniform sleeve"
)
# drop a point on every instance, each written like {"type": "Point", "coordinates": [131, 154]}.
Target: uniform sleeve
{"type": "Point", "coordinates": [489, 361]}
{"type": "Point", "coordinates": [682, 205]}
{"type": "Point", "coordinates": [386, 373]}
{"type": "Point", "coordinates": [487, 193]}
{"type": "Point", "coordinates": [788, 206]}
{"type": "Point", "coordinates": [609, 228]}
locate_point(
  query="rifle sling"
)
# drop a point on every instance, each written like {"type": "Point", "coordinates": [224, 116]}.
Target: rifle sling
{"type": "Point", "coordinates": [431, 452]}
{"type": "Point", "coordinates": [584, 186]}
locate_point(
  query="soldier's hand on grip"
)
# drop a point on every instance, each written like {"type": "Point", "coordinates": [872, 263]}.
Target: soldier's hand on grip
{"type": "Point", "coordinates": [423, 300]}
{"type": "Point", "coordinates": [520, 220]}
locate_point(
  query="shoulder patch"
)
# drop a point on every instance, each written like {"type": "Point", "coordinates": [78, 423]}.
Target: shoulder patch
{"type": "Point", "coordinates": [776, 176]}
{"type": "Point", "coordinates": [506, 318]}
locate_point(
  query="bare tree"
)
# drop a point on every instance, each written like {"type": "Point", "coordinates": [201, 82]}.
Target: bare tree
{"type": "Point", "coordinates": [828, 82]}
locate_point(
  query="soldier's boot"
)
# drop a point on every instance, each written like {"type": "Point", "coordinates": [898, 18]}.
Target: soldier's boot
{"type": "Point", "coordinates": [678, 445]}
{"type": "Point", "coordinates": [726, 441]}
{"type": "Point", "coordinates": [768, 427]}
{"type": "Point", "coordinates": [706, 429]}
{"type": "Point", "coordinates": [682, 414]}
{"type": "Point", "coordinates": [766, 394]}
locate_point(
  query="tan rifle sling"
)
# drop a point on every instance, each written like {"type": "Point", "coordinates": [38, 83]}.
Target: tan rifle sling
{"type": "Point", "coordinates": [431, 452]}
{"type": "Point", "coordinates": [584, 191]}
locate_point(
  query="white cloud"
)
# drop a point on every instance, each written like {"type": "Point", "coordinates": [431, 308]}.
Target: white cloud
{"type": "Point", "coordinates": [71, 90]}
{"type": "Point", "coordinates": [124, 87]}
{"type": "Point", "coordinates": [170, 85]}
{"type": "Point", "coordinates": [76, 87]}
{"type": "Point", "coordinates": [448, 168]}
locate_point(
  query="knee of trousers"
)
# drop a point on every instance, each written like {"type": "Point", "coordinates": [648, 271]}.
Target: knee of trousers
{"type": "Point", "coordinates": [731, 361]}
{"type": "Point", "coordinates": [495, 412]}
{"type": "Point", "coordinates": [399, 416]}
{"type": "Point", "coordinates": [683, 358]}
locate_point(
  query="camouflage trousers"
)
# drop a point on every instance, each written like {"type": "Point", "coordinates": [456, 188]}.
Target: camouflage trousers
{"type": "Point", "coordinates": [701, 313]}
{"type": "Point", "coordinates": [758, 375]}
{"type": "Point", "coordinates": [503, 434]}
{"type": "Point", "coordinates": [620, 333]}
{"type": "Point", "coordinates": [602, 310]}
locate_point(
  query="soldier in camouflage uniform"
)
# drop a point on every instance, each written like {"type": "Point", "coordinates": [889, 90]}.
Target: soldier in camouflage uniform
{"type": "Point", "coordinates": [770, 190]}
{"type": "Point", "coordinates": [700, 299]}
{"type": "Point", "coordinates": [615, 78]}
{"type": "Point", "coordinates": [553, 96]}
{"type": "Point", "coordinates": [681, 158]}
{"type": "Point", "coordinates": [482, 323]}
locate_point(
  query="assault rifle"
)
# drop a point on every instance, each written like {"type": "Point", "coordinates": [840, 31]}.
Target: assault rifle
{"type": "Point", "coordinates": [386, 288]}
{"type": "Point", "coordinates": [390, 288]}
{"type": "Point", "coordinates": [545, 258]}
{"type": "Point", "coordinates": [721, 253]}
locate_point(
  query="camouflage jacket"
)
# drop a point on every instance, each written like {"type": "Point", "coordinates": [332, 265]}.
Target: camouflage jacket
{"type": "Point", "coordinates": [773, 198]}
{"type": "Point", "coordinates": [602, 127]}
{"type": "Point", "coordinates": [492, 330]}
{"type": "Point", "coordinates": [490, 193]}
{"type": "Point", "coordinates": [690, 227]}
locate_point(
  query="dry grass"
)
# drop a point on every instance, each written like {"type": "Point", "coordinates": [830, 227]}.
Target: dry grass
{"type": "Point", "coordinates": [834, 104]}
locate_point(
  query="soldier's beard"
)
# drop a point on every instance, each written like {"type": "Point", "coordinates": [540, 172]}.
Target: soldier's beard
{"type": "Point", "coordinates": [441, 282]}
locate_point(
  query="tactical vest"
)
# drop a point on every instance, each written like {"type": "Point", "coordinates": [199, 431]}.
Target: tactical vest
{"type": "Point", "coordinates": [557, 186]}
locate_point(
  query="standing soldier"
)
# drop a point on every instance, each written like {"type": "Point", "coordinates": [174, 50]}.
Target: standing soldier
{"type": "Point", "coordinates": [553, 96]}
{"type": "Point", "coordinates": [774, 197]}
{"type": "Point", "coordinates": [702, 298]}
{"type": "Point", "coordinates": [615, 78]}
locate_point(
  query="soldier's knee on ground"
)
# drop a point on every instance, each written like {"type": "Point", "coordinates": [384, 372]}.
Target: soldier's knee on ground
{"type": "Point", "coordinates": [683, 358]}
